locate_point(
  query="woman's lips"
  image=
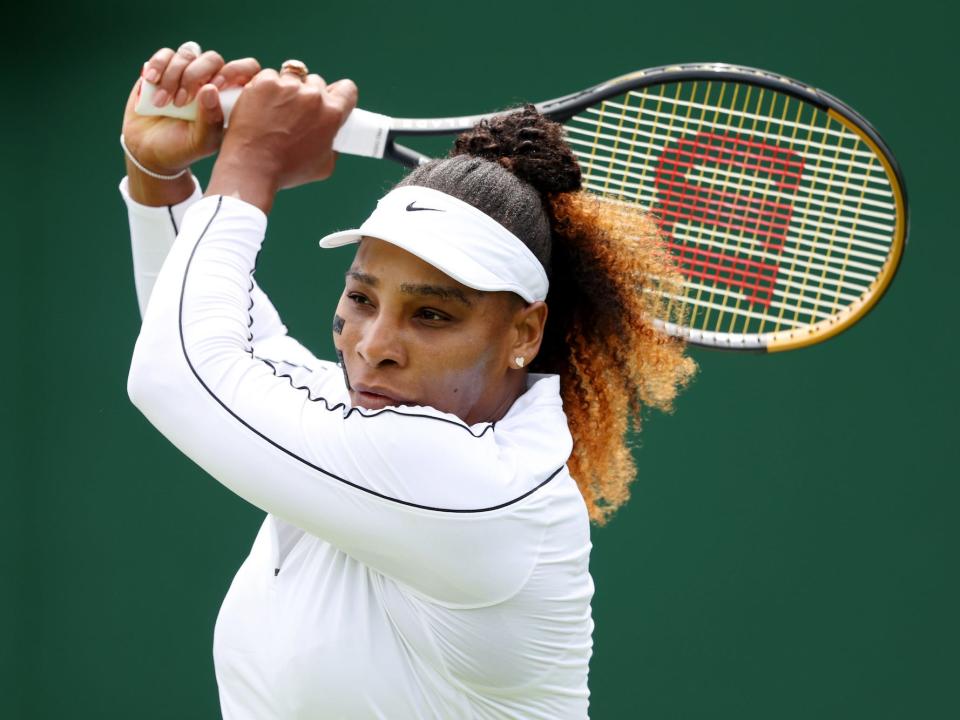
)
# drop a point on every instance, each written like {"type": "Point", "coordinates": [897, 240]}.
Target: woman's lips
{"type": "Point", "coordinates": [375, 398]}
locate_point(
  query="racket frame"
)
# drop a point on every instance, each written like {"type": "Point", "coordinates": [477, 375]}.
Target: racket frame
{"type": "Point", "coordinates": [566, 107]}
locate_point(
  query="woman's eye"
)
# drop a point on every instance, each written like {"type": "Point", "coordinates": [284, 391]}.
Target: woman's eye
{"type": "Point", "coordinates": [432, 315]}
{"type": "Point", "coordinates": [358, 298]}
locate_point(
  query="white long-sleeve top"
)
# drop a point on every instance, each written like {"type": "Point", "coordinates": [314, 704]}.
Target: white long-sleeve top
{"type": "Point", "coordinates": [410, 565]}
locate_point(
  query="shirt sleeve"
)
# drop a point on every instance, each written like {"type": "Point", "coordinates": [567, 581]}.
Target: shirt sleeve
{"type": "Point", "coordinates": [152, 233]}
{"type": "Point", "coordinates": [445, 508]}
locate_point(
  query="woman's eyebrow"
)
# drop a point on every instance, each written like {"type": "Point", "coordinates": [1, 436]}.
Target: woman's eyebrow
{"type": "Point", "coordinates": [444, 292]}
{"type": "Point", "coordinates": [363, 277]}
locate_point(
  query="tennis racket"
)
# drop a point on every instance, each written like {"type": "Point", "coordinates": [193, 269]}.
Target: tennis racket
{"type": "Point", "coordinates": [784, 209]}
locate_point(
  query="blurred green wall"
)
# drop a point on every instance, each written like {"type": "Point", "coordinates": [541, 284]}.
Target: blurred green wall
{"type": "Point", "coordinates": [790, 550]}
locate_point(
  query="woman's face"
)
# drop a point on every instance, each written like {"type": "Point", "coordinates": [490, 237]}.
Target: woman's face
{"type": "Point", "coordinates": [411, 335]}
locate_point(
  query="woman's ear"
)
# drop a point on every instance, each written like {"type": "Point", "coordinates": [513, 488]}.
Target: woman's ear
{"type": "Point", "coordinates": [529, 322]}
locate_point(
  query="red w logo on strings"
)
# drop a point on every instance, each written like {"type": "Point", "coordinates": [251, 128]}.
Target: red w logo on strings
{"type": "Point", "coordinates": [745, 218]}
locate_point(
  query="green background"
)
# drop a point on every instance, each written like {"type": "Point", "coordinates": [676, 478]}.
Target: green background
{"type": "Point", "coordinates": [790, 550]}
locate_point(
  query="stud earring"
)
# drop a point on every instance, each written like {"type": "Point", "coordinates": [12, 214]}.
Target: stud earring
{"type": "Point", "coordinates": [519, 361]}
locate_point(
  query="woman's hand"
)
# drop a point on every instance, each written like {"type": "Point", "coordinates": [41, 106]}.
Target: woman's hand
{"type": "Point", "coordinates": [281, 135]}
{"type": "Point", "coordinates": [167, 145]}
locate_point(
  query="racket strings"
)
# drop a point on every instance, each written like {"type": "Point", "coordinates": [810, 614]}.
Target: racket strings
{"type": "Point", "coordinates": [820, 197]}
{"type": "Point", "coordinates": [649, 144]}
{"type": "Point", "coordinates": [841, 222]}
{"type": "Point", "coordinates": [777, 214]}
{"type": "Point", "coordinates": [645, 116]}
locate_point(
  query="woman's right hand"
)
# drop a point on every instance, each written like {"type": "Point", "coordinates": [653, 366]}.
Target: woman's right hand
{"type": "Point", "coordinates": [167, 145]}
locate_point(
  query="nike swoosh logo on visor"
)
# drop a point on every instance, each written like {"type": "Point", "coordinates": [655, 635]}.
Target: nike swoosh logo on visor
{"type": "Point", "coordinates": [411, 208]}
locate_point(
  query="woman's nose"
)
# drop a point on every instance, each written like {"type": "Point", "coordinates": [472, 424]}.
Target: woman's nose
{"type": "Point", "coordinates": [381, 343]}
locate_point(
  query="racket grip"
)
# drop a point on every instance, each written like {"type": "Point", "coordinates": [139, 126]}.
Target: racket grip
{"type": "Point", "coordinates": [364, 133]}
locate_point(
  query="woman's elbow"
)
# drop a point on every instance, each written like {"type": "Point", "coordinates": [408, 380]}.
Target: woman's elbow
{"type": "Point", "coordinates": [139, 384]}
{"type": "Point", "coordinates": [148, 381]}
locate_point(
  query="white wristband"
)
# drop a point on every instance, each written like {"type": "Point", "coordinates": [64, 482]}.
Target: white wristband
{"type": "Point", "coordinates": [142, 169]}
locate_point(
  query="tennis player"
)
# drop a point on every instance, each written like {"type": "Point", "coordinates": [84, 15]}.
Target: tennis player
{"type": "Point", "coordinates": [425, 550]}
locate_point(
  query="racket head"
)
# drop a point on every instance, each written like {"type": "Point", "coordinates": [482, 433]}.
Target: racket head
{"type": "Point", "coordinates": [783, 207]}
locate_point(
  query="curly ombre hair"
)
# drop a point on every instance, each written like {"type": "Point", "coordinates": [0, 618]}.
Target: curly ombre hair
{"type": "Point", "coordinates": [610, 276]}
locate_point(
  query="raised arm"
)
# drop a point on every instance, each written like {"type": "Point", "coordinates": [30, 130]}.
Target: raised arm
{"type": "Point", "coordinates": [159, 188]}
{"type": "Point", "coordinates": [445, 508]}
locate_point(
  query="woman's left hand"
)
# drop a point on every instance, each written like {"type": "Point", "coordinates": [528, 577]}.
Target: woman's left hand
{"type": "Point", "coordinates": [167, 145]}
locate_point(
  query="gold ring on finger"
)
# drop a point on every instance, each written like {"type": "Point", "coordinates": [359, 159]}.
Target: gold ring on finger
{"type": "Point", "coordinates": [295, 67]}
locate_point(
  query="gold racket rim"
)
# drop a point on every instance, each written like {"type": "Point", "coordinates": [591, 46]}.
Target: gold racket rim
{"type": "Point", "coordinates": [803, 337]}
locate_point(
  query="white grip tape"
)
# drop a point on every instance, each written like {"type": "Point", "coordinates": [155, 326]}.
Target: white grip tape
{"type": "Point", "coordinates": [364, 133]}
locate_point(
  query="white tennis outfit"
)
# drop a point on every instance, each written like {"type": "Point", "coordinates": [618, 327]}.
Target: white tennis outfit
{"type": "Point", "coordinates": [410, 565]}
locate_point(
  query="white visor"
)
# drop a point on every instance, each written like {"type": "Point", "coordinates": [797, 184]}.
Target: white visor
{"type": "Point", "coordinates": [454, 237]}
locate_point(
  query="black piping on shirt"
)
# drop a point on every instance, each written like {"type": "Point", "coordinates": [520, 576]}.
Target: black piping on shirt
{"type": "Point", "coordinates": [173, 220]}
{"type": "Point", "coordinates": [362, 412]}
